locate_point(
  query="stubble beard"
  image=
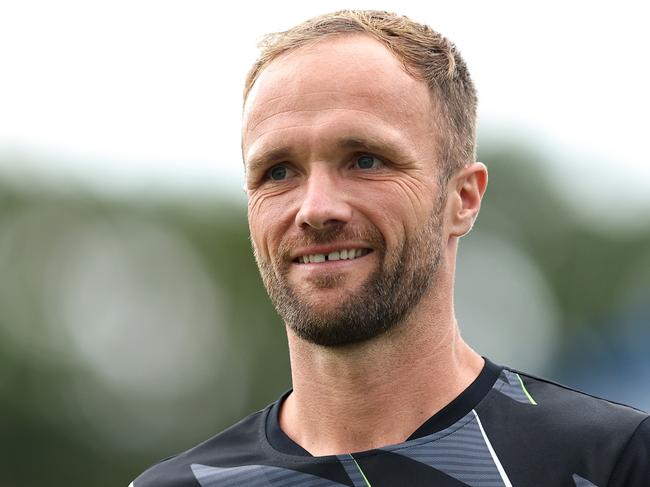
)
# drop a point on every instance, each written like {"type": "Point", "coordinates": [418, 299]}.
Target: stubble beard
{"type": "Point", "coordinates": [386, 298]}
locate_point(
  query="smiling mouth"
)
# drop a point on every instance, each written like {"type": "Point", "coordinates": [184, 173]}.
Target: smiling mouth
{"type": "Point", "coordinates": [347, 254]}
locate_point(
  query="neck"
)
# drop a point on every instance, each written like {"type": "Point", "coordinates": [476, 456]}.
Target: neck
{"type": "Point", "coordinates": [364, 396]}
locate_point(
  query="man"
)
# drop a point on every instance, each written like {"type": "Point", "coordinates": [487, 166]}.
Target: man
{"type": "Point", "coordinates": [359, 147]}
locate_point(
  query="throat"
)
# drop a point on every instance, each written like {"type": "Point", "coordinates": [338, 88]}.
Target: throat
{"type": "Point", "coordinates": [338, 432]}
{"type": "Point", "coordinates": [370, 400]}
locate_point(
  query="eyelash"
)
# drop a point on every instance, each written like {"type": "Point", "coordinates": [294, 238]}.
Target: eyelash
{"type": "Point", "coordinates": [267, 174]}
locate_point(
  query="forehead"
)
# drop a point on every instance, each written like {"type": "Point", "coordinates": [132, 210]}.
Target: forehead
{"type": "Point", "coordinates": [335, 76]}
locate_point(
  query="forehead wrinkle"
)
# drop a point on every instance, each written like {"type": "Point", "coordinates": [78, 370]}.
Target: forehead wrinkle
{"type": "Point", "coordinates": [291, 99]}
{"type": "Point", "coordinates": [282, 95]}
{"type": "Point", "coordinates": [304, 110]}
{"type": "Point", "coordinates": [311, 110]}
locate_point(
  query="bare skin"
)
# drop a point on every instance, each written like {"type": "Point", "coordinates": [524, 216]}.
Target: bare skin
{"type": "Point", "coordinates": [378, 392]}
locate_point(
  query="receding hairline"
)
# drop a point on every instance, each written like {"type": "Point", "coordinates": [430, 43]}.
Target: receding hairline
{"type": "Point", "coordinates": [315, 42]}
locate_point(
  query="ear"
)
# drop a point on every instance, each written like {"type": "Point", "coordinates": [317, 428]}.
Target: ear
{"type": "Point", "coordinates": [467, 188]}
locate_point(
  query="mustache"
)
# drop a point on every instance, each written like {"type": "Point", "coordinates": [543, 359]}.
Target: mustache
{"type": "Point", "coordinates": [330, 234]}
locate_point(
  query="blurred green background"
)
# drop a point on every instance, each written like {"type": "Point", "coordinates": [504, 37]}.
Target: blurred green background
{"type": "Point", "coordinates": [132, 328]}
{"type": "Point", "coordinates": [133, 323]}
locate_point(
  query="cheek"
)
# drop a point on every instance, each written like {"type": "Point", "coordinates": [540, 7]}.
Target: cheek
{"type": "Point", "coordinates": [403, 203]}
{"type": "Point", "coordinates": [414, 197]}
{"type": "Point", "coordinates": [383, 216]}
{"type": "Point", "coordinates": [265, 222]}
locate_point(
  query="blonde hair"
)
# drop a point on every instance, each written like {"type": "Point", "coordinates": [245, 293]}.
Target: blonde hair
{"type": "Point", "coordinates": [424, 53]}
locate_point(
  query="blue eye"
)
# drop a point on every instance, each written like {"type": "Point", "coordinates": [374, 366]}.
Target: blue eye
{"type": "Point", "coordinates": [277, 173]}
{"type": "Point", "coordinates": [367, 161]}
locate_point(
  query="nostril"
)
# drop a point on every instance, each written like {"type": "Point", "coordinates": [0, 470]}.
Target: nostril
{"type": "Point", "coordinates": [322, 205]}
{"type": "Point", "coordinates": [321, 225]}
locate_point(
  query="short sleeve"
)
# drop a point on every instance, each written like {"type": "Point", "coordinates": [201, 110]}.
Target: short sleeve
{"type": "Point", "coordinates": [633, 466]}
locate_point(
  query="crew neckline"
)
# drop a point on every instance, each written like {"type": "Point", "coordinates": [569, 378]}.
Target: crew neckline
{"type": "Point", "coordinates": [447, 416]}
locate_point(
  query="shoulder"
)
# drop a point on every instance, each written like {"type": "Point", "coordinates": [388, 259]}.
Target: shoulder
{"type": "Point", "coordinates": [617, 434]}
{"type": "Point", "coordinates": [555, 408]}
{"type": "Point", "coordinates": [576, 410]}
{"type": "Point", "coordinates": [543, 425]}
{"type": "Point", "coordinates": [237, 445]}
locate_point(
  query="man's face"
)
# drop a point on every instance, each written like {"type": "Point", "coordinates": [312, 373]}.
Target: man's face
{"type": "Point", "coordinates": [345, 213]}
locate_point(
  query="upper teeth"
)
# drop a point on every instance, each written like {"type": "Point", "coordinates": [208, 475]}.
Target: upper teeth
{"type": "Point", "coordinates": [348, 254]}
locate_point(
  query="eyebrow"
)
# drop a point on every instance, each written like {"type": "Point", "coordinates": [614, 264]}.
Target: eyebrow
{"type": "Point", "coordinates": [278, 154]}
{"type": "Point", "coordinates": [362, 143]}
{"type": "Point", "coordinates": [366, 144]}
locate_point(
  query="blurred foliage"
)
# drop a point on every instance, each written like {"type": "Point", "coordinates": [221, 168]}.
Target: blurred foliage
{"type": "Point", "coordinates": [586, 268]}
{"type": "Point", "coordinates": [42, 440]}
{"type": "Point", "coordinates": [50, 437]}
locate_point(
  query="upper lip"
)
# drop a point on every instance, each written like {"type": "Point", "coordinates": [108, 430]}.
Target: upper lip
{"type": "Point", "coordinates": [326, 249]}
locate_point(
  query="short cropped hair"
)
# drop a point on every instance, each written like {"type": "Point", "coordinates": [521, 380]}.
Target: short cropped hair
{"type": "Point", "coordinates": [425, 55]}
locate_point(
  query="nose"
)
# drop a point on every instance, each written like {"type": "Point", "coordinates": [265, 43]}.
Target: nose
{"type": "Point", "coordinates": [324, 202]}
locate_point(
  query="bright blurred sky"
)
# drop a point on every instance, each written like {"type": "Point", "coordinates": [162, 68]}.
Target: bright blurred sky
{"type": "Point", "coordinates": [131, 96]}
